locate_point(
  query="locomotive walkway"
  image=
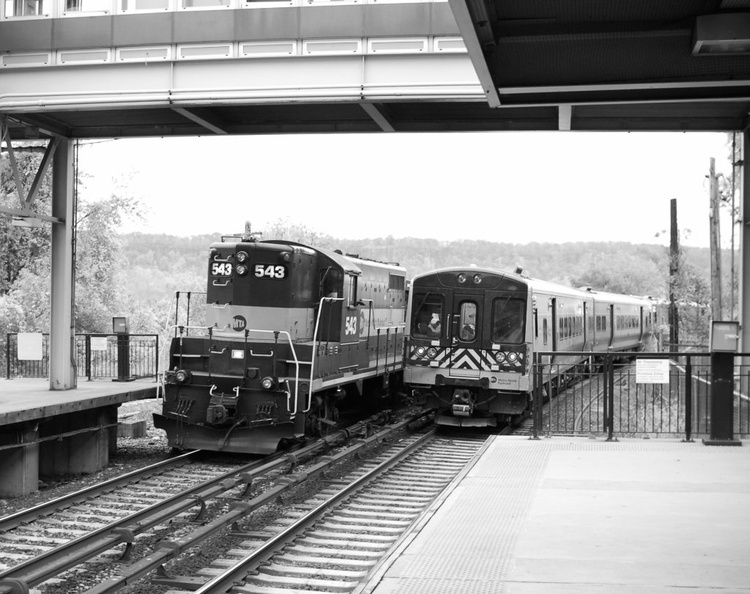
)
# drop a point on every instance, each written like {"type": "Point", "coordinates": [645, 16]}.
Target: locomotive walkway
{"type": "Point", "coordinates": [574, 515]}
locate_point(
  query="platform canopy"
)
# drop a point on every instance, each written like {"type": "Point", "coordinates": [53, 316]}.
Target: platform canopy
{"type": "Point", "coordinates": [641, 65]}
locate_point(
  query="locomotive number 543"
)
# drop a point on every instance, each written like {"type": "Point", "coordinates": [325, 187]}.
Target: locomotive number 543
{"type": "Point", "coordinates": [221, 269]}
{"type": "Point", "coordinates": [269, 271]}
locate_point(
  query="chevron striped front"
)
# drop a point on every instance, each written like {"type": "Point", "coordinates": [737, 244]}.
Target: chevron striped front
{"type": "Point", "coordinates": [472, 359]}
{"type": "Point", "coordinates": [458, 358]}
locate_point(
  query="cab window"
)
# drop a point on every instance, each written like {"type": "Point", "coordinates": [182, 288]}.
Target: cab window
{"type": "Point", "coordinates": [467, 318]}
{"type": "Point", "coordinates": [508, 320]}
{"type": "Point", "coordinates": [428, 315]}
{"type": "Point", "coordinates": [329, 282]}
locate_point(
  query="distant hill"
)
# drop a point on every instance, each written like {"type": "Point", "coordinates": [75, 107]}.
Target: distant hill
{"type": "Point", "coordinates": [157, 265]}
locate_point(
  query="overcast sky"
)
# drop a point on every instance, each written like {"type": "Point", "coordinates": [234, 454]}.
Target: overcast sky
{"type": "Point", "coordinates": [506, 187]}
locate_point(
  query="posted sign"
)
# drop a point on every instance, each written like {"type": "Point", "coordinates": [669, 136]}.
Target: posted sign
{"type": "Point", "coordinates": [652, 371]}
{"type": "Point", "coordinates": [30, 346]}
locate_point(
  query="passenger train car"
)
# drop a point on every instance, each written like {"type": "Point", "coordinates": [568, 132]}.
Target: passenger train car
{"type": "Point", "coordinates": [290, 330]}
{"type": "Point", "coordinates": [472, 334]}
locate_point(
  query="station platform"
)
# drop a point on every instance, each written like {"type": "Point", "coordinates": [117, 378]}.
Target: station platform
{"type": "Point", "coordinates": [29, 399]}
{"type": "Point", "coordinates": [576, 515]}
{"type": "Point", "coordinates": [50, 433]}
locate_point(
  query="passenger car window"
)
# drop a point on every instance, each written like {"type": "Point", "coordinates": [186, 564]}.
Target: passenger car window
{"type": "Point", "coordinates": [508, 320]}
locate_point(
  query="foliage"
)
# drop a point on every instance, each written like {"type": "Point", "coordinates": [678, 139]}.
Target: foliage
{"type": "Point", "coordinates": [100, 280]}
{"type": "Point", "coordinates": [21, 246]}
{"type": "Point", "coordinates": [25, 255]}
{"type": "Point", "coordinates": [284, 228]}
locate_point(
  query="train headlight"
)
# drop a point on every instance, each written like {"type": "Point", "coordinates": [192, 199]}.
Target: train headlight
{"type": "Point", "coordinates": [241, 269]}
{"type": "Point", "coordinates": [242, 257]}
{"type": "Point", "coordinates": [500, 357]}
{"type": "Point", "coordinates": [512, 357]}
{"type": "Point", "coordinates": [461, 278]}
{"type": "Point", "coordinates": [432, 352]}
{"type": "Point", "coordinates": [478, 279]}
{"type": "Point", "coordinates": [268, 383]}
{"type": "Point", "coordinates": [182, 376]}
{"type": "Point", "coordinates": [421, 351]}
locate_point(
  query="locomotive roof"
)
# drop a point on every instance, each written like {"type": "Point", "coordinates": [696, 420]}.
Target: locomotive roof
{"type": "Point", "coordinates": [348, 262]}
{"type": "Point", "coordinates": [345, 262]}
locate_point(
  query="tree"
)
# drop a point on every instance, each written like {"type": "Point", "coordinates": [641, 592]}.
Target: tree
{"type": "Point", "coordinates": [285, 229]}
{"type": "Point", "coordinates": [621, 272]}
{"type": "Point", "coordinates": [100, 285]}
{"type": "Point", "coordinates": [25, 256]}
{"type": "Point", "coordinates": [21, 247]}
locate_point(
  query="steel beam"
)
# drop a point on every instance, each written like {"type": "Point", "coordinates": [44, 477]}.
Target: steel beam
{"type": "Point", "coordinates": [744, 281]}
{"type": "Point", "coordinates": [61, 367]}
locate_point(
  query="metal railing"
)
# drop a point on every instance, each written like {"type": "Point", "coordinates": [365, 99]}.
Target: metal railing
{"type": "Point", "coordinates": [96, 356]}
{"type": "Point", "coordinates": [633, 395]}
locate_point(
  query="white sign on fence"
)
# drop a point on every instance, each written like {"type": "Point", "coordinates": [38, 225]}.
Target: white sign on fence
{"type": "Point", "coordinates": [30, 346]}
{"type": "Point", "coordinates": [652, 371]}
{"type": "Point", "coordinates": [98, 343]}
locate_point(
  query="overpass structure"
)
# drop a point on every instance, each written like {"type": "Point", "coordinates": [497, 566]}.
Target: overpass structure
{"type": "Point", "coordinates": [72, 69]}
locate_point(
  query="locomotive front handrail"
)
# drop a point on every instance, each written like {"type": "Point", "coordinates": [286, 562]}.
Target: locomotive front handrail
{"type": "Point", "coordinates": [217, 283]}
{"type": "Point", "coordinates": [181, 327]}
{"type": "Point", "coordinates": [292, 413]}
{"type": "Point", "coordinates": [315, 348]}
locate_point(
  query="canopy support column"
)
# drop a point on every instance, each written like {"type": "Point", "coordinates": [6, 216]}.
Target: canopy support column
{"type": "Point", "coordinates": [62, 374]}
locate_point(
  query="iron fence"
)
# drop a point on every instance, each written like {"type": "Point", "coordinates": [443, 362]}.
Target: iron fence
{"type": "Point", "coordinates": [633, 395]}
{"type": "Point", "coordinates": [124, 356]}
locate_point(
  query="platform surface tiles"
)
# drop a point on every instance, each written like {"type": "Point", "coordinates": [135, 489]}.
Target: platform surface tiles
{"type": "Point", "coordinates": [580, 516]}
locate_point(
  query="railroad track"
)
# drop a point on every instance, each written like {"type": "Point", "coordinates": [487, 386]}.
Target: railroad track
{"type": "Point", "coordinates": [332, 541]}
{"type": "Point", "coordinates": [39, 545]}
{"type": "Point", "coordinates": [578, 410]}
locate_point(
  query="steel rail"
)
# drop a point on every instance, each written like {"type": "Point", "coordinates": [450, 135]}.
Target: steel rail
{"type": "Point", "coordinates": [169, 550]}
{"type": "Point", "coordinates": [50, 564]}
{"type": "Point", "coordinates": [27, 515]}
{"type": "Point", "coordinates": [225, 581]}
{"type": "Point", "coordinates": [586, 406]}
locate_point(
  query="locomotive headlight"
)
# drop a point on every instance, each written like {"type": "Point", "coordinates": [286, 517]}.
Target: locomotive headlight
{"type": "Point", "coordinates": [241, 269]}
{"type": "Point", "coordinates": [461, 278]}
{"type": "Point", "coordinates": [268, 383]}
{"type": "Point", "coordinates": [478, 279]}
{"type": "Point", "coordinates": [420, 351]}
{"type": "Point", "coordinates": [182, 376]}
{"type": "Point", "coordinates": [512, 357]}
{"type": "Point", "coordinates": [242, 257]}
{"type": "Point", "coordinates": [286, 257]}
{"type": "Point", "coordinates": [500, 357]}
{"type": "Point", "coordinates": [432, 352]}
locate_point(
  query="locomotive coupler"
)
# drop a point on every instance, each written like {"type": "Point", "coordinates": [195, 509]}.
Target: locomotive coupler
{"type": "Point", "coordinates": [463, 403]}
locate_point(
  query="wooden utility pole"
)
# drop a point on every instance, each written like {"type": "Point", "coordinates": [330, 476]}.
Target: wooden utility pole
{"type": "Point", "coordinates": [674, 265]}
{"type": "Point", "coordinates": [715, 244]}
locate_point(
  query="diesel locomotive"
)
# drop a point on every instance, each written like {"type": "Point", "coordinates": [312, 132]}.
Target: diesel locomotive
{"type": "Point", "coordinates": [472, 334]}
{"type": "Point", "coordinates": [291, 331]}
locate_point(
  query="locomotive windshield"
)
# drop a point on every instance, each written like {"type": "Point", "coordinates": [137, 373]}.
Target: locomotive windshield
{"type": "Point", "coordinates": [508, 319]}
{"type": "Point", "coordinates": [427, 316]}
